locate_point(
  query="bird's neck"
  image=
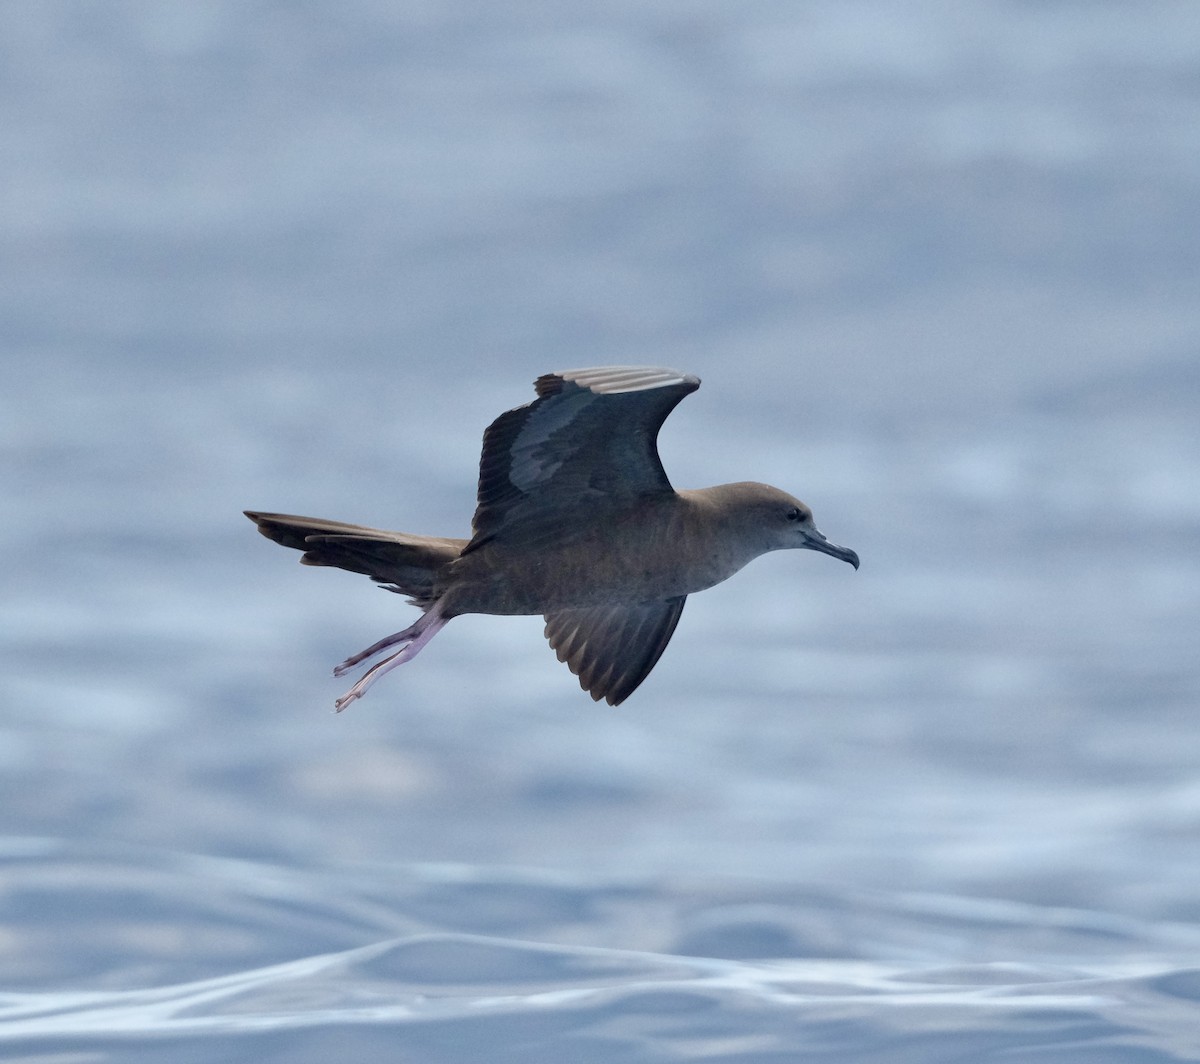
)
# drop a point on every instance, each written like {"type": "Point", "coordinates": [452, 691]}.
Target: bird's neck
{"type": "Point", "coordinates": [716, 529]}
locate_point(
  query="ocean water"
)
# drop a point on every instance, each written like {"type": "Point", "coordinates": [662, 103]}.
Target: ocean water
{"type": "Point", "coordinates": [937, 266]}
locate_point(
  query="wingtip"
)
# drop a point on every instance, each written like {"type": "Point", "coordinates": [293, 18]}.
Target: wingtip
{"type": "Point", "coordinates": [605, 380]}
{"type": "Point", "coordinates": [600, 692]}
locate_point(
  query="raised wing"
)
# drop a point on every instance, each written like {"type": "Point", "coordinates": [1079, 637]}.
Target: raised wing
{"type": "Point", "coordinates": [587, 443]}
{"type": "Point", "coordinates": [613, 648]}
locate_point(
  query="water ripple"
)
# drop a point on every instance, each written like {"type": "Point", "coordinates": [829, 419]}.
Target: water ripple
{"type": "Point", "coordinates": [455, 995]}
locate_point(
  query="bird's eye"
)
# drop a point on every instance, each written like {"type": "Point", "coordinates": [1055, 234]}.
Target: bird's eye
{"type": "Point", "coordinates": [793, 514]}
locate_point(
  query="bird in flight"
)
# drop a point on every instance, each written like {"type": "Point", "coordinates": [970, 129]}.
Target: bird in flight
{"type": "Point", "coordinates": [575, 520]}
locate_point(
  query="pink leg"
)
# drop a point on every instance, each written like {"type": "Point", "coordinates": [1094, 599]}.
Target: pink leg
{"type": "Point", "coordinates": [413, 638]}
{"type": "Point", "coordinates": [407, 636]}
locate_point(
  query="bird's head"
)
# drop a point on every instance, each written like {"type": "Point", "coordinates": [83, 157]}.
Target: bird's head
{"type": "Point", "coordinates": [779, 521]}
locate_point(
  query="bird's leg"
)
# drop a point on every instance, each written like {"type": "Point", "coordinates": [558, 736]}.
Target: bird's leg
{"type": "Point", "coordinates": [413, 638]}
{"type": "Point", "coordinates": [407, 636]}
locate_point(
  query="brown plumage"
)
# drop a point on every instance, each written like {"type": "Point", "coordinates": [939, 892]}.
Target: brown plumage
{"type": "Point", "coordinates": [576, 520]}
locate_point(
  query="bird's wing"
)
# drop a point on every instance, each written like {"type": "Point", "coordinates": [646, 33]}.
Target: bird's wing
{"type": "Point", "coordinates": [587, 443]}
{"type": "Point", "coordinates": [613, 648]}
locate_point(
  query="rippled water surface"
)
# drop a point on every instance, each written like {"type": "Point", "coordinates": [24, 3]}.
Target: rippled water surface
{"type": "Point", "coordinates": [937, 268]}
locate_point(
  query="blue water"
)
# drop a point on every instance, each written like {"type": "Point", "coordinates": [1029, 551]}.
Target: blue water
{"type": "Point", "coordinates": [937, 266]}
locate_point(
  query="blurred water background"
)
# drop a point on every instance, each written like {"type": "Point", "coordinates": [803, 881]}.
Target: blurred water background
{"type": "Point", "coordinates": [937, 265]}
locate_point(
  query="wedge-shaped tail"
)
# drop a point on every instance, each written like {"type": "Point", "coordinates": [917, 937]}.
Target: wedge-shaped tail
{"type": "Point", "coordinates": [403, 563]}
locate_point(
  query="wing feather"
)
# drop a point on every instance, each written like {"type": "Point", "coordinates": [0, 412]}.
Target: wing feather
{"type": "Point", "coordinates": [613, 648]}
{"type": "Point", "coordinates": [588, 442]}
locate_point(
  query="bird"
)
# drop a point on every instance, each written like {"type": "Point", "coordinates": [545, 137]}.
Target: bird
{"type": "Point", "coordinates": [575, 520]}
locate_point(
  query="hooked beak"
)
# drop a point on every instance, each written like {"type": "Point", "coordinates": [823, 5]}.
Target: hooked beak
{"type": "Point", "coordinates": [814, 540]}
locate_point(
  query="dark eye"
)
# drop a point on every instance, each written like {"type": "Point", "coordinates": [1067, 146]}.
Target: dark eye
{"type": "Point", "coordinates": [793, 514]}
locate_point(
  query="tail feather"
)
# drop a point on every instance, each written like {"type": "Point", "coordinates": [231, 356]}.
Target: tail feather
{"type": "Point", "coordinates": [405, 563]}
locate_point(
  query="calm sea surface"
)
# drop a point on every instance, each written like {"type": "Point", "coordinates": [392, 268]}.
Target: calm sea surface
{"type": "Point", "coordinates": [938, 267]}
